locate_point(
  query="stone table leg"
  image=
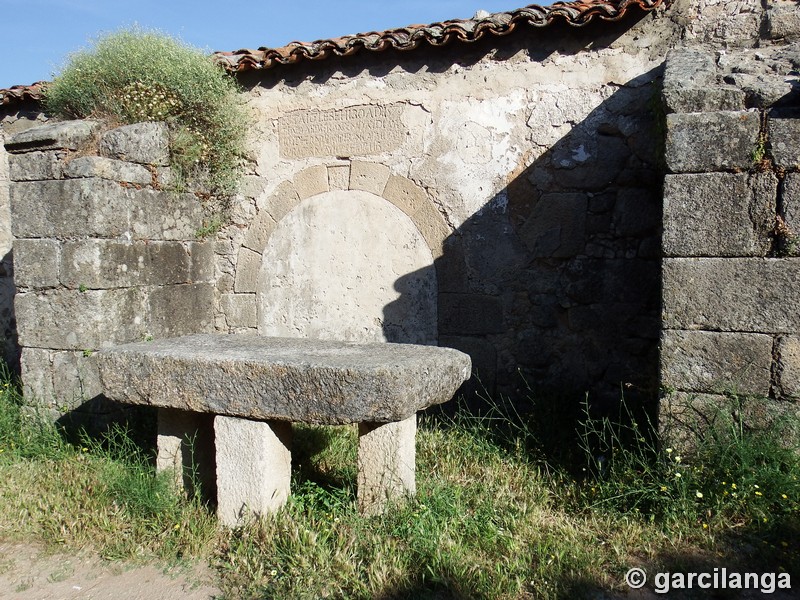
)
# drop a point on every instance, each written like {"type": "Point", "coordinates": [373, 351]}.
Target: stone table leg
{"type": "Point", "coordinates": [186, 449]}
{"type": "Point", "coordinates": [386, 463]}
{"type": "Point", "coordinates": [253, 467]}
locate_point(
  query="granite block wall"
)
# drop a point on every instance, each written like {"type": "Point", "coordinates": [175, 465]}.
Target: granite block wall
{"type": "Point", "coordinates": [731, 267]}
{"type": "Point", "coordinates": [102, 254]}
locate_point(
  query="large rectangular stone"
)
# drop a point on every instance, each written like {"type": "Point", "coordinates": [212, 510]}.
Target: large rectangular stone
{"type": "Point", "coordinates": [783, 22]}
{"type": "Point", "coordinates": [788, 371]}
{"type": "Point", "coordinates": [36, 373]}
{"type": "Point", "coordinates": [288, 379]}
{"type": "Point", "coordinates": [254, 468]}
{"type": "Point", "coordinates": [108, 168]}
{"type": "Point", "coordinates": [203, 266]}
{"type": "Point", "coordinates": [685, 419]}
{"type": "Point", "coordinates": [690, 84]}
{"type": "Point", "coordinates": [717, 141]}
{"type": "Point", "coordinates": [239, 310]}
{"type": "Point", "coordinates": [784, 138]}
{"type": "Point", "coordinates": [71, 208]}
{"type": "Point", "coordinates": [75, 320]}
{"type": "Point", "coordinates": [790, 200]}
{"type": "Point", "coordinates": [145, 143]}
{"type": "Point", "coordinates": [69, 135]}
{"type": "Point", "coordinates": [36, 263]}
{"type": "Point", "coordinates": [181, 309]}
{"type": "Point", "coordinates": [386, 463]}
{"type": "Point", "coordinates": [726, 294]}
{"type": "Point", "coordinates": [36, 166]}
{"type": "Point", "coordinates": [75, 378]}
{"type": "Point", "coordinates": [104, 264]}
{"type": "Point", "coordinates": [719, 214]}
{"type": "Point", "coordinates": [714, 362]}
{"type": "Point", "coordinates": [160, 215]}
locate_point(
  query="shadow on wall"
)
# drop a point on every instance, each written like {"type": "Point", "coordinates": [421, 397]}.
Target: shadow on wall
{"type": "Point", "coordinates": [10, 349]}
{"type": "Point", "coordinates": [553, 287]}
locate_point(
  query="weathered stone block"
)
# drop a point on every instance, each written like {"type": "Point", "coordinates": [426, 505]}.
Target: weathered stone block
{"type": "Point", "coordinates": [704, 99]}
{"type": "Point", "coordinates": [254, 471]}
{"type": "Point", "coordinates": [713, 362]}
{"type": "Point", "coordinates": [262, 378]}
{"type": "Point", "coordinates": [339, 177]}
{"type": "Point", "coordinates": [186, 449]}
{"type": "Point", "coordinates": [108, 168]}
{"type": "Point", "coordinates": [433, 227]}
{"type": "Point", "coordinates": [556, 226]}
{"type": "Point", "coordinates": [685, 419]}
{"type": "Point", "coordinates": [783, 22]}
{"type": "Point", "coordinates": [68, 135]}
{"type": "Point", "coordinates": [746, 294]}
{"type": "Point", "coordinates": [259, 231]}
{"type": "Point", "coordinates": [36, 372]}
{"type": "Point", "coordinates": [719, 214]}
{"type": "Point", "coordinates": [36, 263]}
{"type": "Point", "coordinates": [239, 310]}
{"type": "Point", "coordinates": [312, 181]}
{"type": "Point", "coordinates": [36, 166]}
{"type": "Point", "coordinates": [405, 194]}
{"type": "Point", "coordinates": [104, 264]}
{"type": "Point", "coordinates": [144, 143]}
{"type": "Point", "coordinates": [470, 314]}
{"type": "Point", "coordinates": [690, 84]}
{"type": "Point", "coordinates": [790, 194]}
{"type": "Point", "coordinates": [202, 267]}
{"type": "Point", "coordinates": [71, 208]}
{"type": "Point", "coordinates": [75, 320]}
{"type": "Point", "coordinates": [784, 139]}
{"type": "Point", "coordinates": [247, 270]}
{"type": "Point", "coordinates": [252, 186]}
{"type": "Point", "coordinates": [386, 463]}
{"type": "Point", "coordinates": [75, 378]}
{"type": "Point", "coordinates": [181, 309]}
{"type": "Point", "coordinates": [700, 142]}
{"type": "Point", "coordinates": [788, 350]}
{"type": "Point", "coordinates": [282, 201]}
{"type": "Point", "coordinates": [157, 215]}
{"type": "Point", "coordinates": [369, 177]}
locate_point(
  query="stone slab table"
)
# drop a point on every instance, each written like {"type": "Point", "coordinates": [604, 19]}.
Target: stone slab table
{"type": "Point", "coordinates": [232, 399]}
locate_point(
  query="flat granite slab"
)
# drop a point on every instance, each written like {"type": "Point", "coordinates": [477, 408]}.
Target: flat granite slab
{"type": "Point", "coordinates": [262, 378]}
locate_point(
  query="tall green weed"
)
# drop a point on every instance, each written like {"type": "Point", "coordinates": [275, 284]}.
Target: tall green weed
{"type": "Point", "coordinates": [138, 75]}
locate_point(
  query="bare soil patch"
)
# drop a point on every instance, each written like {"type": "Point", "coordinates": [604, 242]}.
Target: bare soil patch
{"type": "Point", "coordinates": [28, 572]}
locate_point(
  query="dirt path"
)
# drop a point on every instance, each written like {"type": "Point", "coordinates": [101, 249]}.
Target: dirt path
{"type": "Point", "coordinates": [29, 573]}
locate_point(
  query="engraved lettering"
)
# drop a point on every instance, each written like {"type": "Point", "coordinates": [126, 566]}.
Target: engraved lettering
{"type": "Point", "coordinates": [353, 131]}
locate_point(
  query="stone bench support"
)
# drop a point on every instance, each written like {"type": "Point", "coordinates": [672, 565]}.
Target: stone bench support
{"type": "Point", "coordinates": [386, 463]}
{"type": "Point", "coordinates": [226, 404]}
{"type": "Point", "coordinates": [254, 467]}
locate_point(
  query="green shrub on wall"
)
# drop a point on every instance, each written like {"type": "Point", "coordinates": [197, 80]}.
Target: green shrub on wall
{"type": "Point", "coordinates": [135, 75]}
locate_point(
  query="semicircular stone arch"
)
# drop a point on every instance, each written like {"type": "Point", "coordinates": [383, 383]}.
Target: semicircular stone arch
{"type": "Point", "coordinates": [345, 251]}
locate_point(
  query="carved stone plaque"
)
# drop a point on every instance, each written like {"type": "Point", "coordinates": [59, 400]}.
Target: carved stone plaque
{"type": "Point", "coordinates": [352, 131]}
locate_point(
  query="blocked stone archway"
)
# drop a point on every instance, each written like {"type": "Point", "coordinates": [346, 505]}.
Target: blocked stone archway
{"type": "Point", "coordinates": [344, 251]}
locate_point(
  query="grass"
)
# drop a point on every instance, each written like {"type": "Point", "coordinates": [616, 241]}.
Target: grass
{"type": "Point", "coordinates": [493, 518]}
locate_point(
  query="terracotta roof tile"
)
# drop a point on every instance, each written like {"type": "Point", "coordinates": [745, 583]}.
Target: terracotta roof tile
{"type": "Point", "coordinates": [577, 13]}
{"type": "Point", "coordinates": [21, 93]}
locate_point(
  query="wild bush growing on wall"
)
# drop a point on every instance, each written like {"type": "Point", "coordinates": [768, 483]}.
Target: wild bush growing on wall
{"type": "Point", "coordinates": [135, 75]}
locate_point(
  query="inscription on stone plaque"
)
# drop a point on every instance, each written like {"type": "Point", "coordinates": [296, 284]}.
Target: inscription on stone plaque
{"type": "Point", "coordinates": [352, 131]}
